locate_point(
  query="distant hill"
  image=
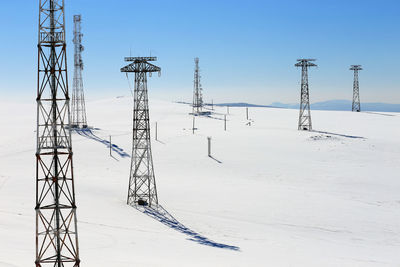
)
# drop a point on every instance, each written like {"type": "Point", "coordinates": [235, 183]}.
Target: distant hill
{"type": "Point", "coordinates": [345, 105]}
{"type": "Point", "coordinates": [341, 105]}
{"type": "Point", "coordinates": [242, 104]}
{"type": "Point", "coordinates": [239, 104]}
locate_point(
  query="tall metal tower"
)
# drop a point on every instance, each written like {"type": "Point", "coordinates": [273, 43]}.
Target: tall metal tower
{"type": "Point", "coordinates": [142, 183]}
{"type": "Point", "coordinates": [78, 97]}
{"type": "Point", "coordinates": [198, 91]}
{"type": "Point", "coordinates": [356, 89]}
{"type": "Point", "coordinates": [56, 223]}
{"type": "Point", "coordinates": [305, 114]}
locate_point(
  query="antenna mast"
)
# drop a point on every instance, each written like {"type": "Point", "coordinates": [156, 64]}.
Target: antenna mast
{"type": "Point", "coordinates": [78, 96]}
{"type": "Point", "coordinates": [56, 223]}
{"type": "Point", "coordinates": [305, 114]}
{"type": "Point", "coordinates": [198, 91]}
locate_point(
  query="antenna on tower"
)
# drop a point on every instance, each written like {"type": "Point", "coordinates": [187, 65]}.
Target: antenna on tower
{"type": "Point", "coordinates": [142, 183]}
{"type": "Point", "coordinates": [305, 114]}
{"type": "Point", "coordinates": [56, 222]}
{"type": "Point", "coordinates": [198, 91]}
{"type": "Point", "coordinates": [356, 89]}
{"type": "Point", "coordinates": [78, 96]}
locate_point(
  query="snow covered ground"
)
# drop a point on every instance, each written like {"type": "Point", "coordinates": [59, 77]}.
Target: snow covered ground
{"type": "Point", "coordinates": [270, 196]}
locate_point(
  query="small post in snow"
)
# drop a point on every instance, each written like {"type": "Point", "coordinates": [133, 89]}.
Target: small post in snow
{"type": "Point", "coordinates": [193, 123]}
{"type": "Point", "coordinates": [247, 113]}
{"type": "Point", "coordinates": [209, 146]}
{"type": "Point", "coordinates": [156, 132]}
{"type": "Point", "coordinates": [110, 147]}
{"type": "Point", "coordinates": [224, 122]}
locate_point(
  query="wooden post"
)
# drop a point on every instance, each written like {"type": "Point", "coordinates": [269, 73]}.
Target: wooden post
{"type": "Point", "coordinates": [209, 146]}
{"type": "Point", "coordinates": [110, 147]}
{"type": "Point", "coordinates": [193, 124]}
{"type": "Point", "coordinates": [247, 113]}
{"type": "Point", "coordinates": [156, 132]}
{"type": "Point", "coordinates": [224, 122]}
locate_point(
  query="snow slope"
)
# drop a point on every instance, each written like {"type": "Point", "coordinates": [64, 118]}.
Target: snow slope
{"type": "Point", "coordinates": [270, 196]}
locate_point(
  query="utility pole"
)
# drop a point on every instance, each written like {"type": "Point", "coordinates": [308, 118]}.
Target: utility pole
{"type": "Point", "coordinates": [356, 89]}
{"type": "Point", "coordinates": [198, 91]}
{"type": "Point", "coordinates": [78, 97]}
{"type": "Point", "coordinates": [193, 124]}
{"type": "Point", "coordinates": [224, 122]}
{"type": "Point", "coordinates": [56, 222]}
{"type": "Point", "coordinates": [209, 146]}
{"type": "Point", "coordinates": [142, 183]}
{"type": "Point", "coordinates": [156, 132]}
{"type": "Point", "coordinates": [110, 147]}
{"type": "Point", "coordinates": [305, 114]}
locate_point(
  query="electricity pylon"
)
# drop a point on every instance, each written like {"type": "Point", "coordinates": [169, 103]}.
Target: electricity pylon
{"type": "Point", "coordinates": [56, 223]}
{"type": "Point", "coordinates": [197, 91]}
{"type": "Point", "coordinates": [142, 183]}
{"type": "Point", "coordinates": [356, 89]}
{"type": "Point", "coordinates": [78, 96]}
{"type": "Point", "coordinates": [305, 114]}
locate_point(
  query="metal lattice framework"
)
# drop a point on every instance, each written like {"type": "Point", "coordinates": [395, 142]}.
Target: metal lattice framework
{"type": "Point", "coordinates": [78, 97]}
{"type": "Point", "coordinates": [56, 223]}
{"type": "Point", "coordinates": [305, 114]}
{"type": "Point", "coordinates": [142, 184]}
{"type": "Point", "coordinates": [197, 91]}
{"type": "Point", "coordinates": [356, 89]}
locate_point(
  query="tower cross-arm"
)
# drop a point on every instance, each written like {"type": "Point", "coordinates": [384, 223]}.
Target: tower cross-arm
{"type": "Point", "coordinates": [306, 63]}
{"type": "Point", "coordinates": [141, 66]}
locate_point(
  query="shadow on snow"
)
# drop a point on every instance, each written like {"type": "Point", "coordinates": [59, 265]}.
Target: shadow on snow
{"type": "Point", "coordinates": [341, 135]}
{"type": "Point", "coordinates": [89, 134]}
{"type": "Point", "coordinates": [215, 159]}
{"type": "Point", "coordinates": [163, 216]}
{"type": "Point", "coordinates": [382, 114]}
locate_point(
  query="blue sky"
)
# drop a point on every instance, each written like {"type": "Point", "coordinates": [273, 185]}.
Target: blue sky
{"type": "Point", "coordinates": [247, 49]}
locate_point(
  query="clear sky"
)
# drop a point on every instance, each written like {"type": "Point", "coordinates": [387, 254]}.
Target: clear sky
{"type": "Point", "coordinates": [247, 49]}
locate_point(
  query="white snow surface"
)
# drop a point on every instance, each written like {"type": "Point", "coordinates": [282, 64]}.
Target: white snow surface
{"type": "Point", "coordinates": [283, 197]}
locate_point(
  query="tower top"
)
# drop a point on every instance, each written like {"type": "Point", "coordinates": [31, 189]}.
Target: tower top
{"type": "Point", "coordinates": [355, 67]}
{"type": "Point", "coordinates": [306, 59]}
{"type": "Point", "coordinates": [140, 59]}
{"type": "Point", "coordinates": [303, 62]}
{"type": "Point", "coordinates": [141, 64]}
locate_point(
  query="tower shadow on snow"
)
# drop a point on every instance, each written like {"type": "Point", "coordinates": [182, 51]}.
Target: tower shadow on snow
{"type": "Point", "coordinates": [89, 134]}
{"type": "Point", "coordinates": [163, 216]}
{"type": "Point", "coordinates": [377, 113]}
{"type": "Point", "coordinates": [341, 135]}
{"type": "Point", "coordinates": [215, 159]}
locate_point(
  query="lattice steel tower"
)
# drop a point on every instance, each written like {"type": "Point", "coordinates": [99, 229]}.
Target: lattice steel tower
{"type": "Point", "coordinates": [78, 96]}
{"type": "Point", "coordinates": [197, 91]}
{"type": "Point", "coordinates": [56, 224]}
{"type": "Point", "coordinates": [356, 89]}
{"type": "Point", "coordinates": [142, 183]}
{"type": "Point", "coordinates": [305, 114]}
